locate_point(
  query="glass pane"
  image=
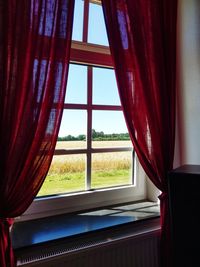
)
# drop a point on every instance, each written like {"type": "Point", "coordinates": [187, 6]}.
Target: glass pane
{"type": "Point", "coordinates": [105, 91]}
{"type": "Point", "coordinates": [76, 85]}
{"type": "Point", "coordinates": [78, 21]}
{"type": "Point", "coordinates": [111, 169]}
{"type": "Point", "coordinates": [109, 129]}
{"type": "Point", "coordinates": [72, 132]}
{"type": "Point", "coordinates": [97, 31]}
{"type": "Point", "coordinates": [66, 174]}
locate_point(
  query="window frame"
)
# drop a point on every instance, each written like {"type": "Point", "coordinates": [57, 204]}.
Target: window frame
{"type": "Point", "coordinates": [80, 201]}
{"type": "Point", "coordinates": [88, 200]}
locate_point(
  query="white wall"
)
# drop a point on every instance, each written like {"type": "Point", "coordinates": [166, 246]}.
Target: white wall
{"type": "Point", "coordinates": [188, 83]}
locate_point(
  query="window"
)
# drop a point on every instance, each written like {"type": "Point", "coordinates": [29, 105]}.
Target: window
{"type": "Point", "coordinates": [90, 151]}
{"type": "Point", "coordinates": [93, 163]}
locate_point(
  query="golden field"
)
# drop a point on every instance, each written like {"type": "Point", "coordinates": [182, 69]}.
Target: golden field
{"type": "Point", "coordinates": [67, 172]}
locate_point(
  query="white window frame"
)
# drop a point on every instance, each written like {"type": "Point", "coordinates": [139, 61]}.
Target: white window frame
{"type": "Point", "coordinates": [77, 202]}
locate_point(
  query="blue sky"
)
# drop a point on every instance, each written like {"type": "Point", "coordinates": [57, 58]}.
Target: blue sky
{"type": "Point", "coordinates": [104, 82]}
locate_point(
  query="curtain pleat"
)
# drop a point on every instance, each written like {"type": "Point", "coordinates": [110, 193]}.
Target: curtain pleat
{"type": "Point", "coordinates": [35, 39]}
{"type": "Point", "coordinates": [142, 37]}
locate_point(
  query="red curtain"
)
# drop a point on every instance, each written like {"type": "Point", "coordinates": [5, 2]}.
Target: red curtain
{"type": "Point", "coordinates": [142, 37]}
{"type": "Point", "coordinates": [34, 54]}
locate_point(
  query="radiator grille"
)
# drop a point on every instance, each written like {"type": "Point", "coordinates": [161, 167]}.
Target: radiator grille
{"type": "Point", "coordinates": [127, 250]}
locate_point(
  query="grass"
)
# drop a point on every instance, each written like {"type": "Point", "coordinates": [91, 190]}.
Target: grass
{"type": "Point", "coordinates": [67, 173]}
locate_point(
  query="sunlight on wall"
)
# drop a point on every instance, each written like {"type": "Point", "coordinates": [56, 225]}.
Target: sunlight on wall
{"type": "Point", "coordinates": [188, 84]}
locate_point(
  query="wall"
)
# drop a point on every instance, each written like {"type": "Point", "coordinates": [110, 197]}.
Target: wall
{"type": "Point", "coordinates": [188, 83]}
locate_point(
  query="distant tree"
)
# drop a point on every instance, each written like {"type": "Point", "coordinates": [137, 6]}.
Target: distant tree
{"type": "Point", "coordinates": [81, 137]}
{"type": "Point", "coordinates": [97, 136]}
{"type": "Point", "coordinates": [101, 134]}
{"type": "Point", "coordinates": [94, 134]}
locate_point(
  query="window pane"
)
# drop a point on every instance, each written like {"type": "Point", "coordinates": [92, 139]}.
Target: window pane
{"type": "Point", "coordinates": [111, 169]}
{"type": "Point", "coordinates": [105, 91]}
{"type": "Point", "coordinates": [77, 85]}
{"type": "Point", "coordinates": [109, 126]}
{"type": "Point", "coordinates": [72, 130]}
{"type": "Point", "coordinates": [78, 21]}
{"type": "Point", "coordinates": [97, 31]}
{"type": "Point", "coordinates": [66, 174]}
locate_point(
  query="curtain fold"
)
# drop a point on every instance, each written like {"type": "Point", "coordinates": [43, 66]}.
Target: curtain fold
{"type": "Point", "coordinates": [142, 37]}
{"type": "Point", "coordinates": [35, 39]}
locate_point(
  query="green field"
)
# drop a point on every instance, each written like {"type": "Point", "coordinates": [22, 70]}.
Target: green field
{"type": "Point", "coordinates": [67, 172]}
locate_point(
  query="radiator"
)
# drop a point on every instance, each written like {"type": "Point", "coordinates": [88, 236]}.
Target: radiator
{"type": "Point", "coordinates": [137, 250]}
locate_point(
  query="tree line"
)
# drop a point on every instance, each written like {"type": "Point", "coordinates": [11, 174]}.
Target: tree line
{"type": "Point", "coordinates": [96, 136]}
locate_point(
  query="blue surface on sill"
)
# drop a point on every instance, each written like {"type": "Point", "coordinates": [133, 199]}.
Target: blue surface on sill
{"type": "Point", "coordinates": [25, 234]}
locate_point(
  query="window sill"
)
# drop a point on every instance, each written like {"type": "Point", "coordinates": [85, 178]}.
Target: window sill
{"type": "Point", "coordinates": [58, 228]}
{"type": "Point", "coordinates": [94, 199]}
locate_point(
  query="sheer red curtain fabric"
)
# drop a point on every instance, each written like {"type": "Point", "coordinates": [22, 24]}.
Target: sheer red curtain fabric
{"type": "Point", "coordinates": [35, 39]}
{"type": "Point", "coordinates": [142, 37]}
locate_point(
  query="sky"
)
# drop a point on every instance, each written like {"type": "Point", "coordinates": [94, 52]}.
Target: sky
{"type": "Point", "coordinates": [104, 83]}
